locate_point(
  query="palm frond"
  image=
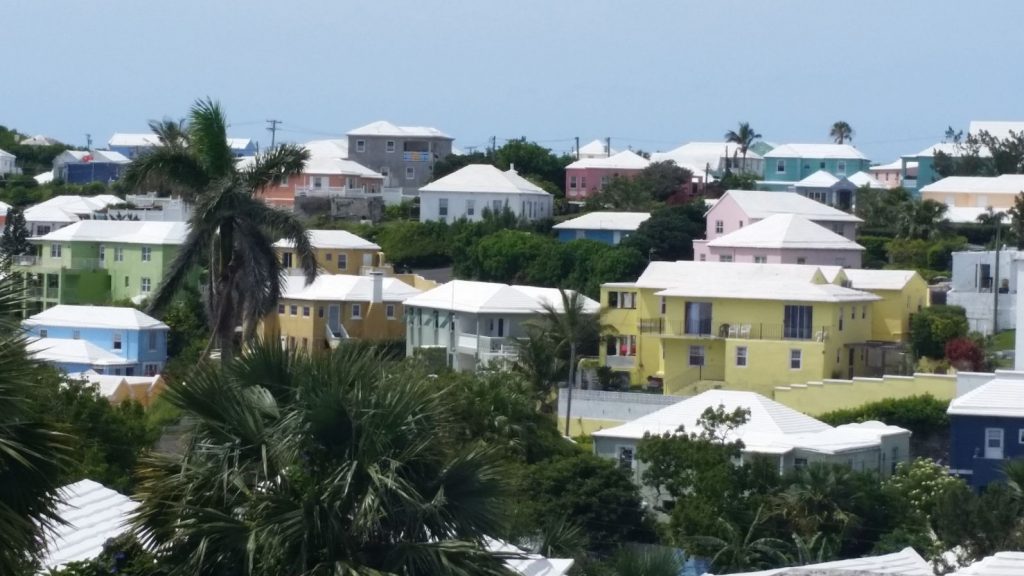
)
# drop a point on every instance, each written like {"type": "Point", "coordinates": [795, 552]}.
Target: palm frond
{"type": "Point", "coordinates": [287, 226]}
{"type": "Point", "coordinates": [189, 257]}
{"type": "Point", "coordinates": [208, 138]}
{"type": "Point", "coordinates": [273, 166]}
{"type": "Point", "coordinates": [174, 168]}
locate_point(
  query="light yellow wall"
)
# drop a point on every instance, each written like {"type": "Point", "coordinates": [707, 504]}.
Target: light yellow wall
{"type": "Point", "coordinates": [586, 427]}
{"type": "Point", "coordinates": [374, 325]}
{"type": "Point", "coordinates": [816, 398]}
{"type": "Point", "coordinates": [971, 199]}
{"type": "Point", "coordinates": [892, 314]}
{"type": "Point", "coordinates": [353, 260]}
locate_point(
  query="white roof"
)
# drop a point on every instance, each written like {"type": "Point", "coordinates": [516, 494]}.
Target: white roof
{"type": "Point", "coordinates": [339, 239]}
{"type": "Point", "coordinates": [999, 397]}
{"type": "Point", "coordinates": [116, 317]}
{"type": "Point", "coordinates": [787, 231]}
{"type": "Point", "coordinates": [40, 140]}
{"type": "Point", "coordinates": [93, 514]}
{"type": "Point", "coordinates": [659, 274]}
{"type": "Point", "coordinates": [997, 128]}
{"type": "Point", "coordinates": [6, 154]}
{"type": "Point", "coordinates": [1002, 184]}
{"type": "Point", "coordinates": [871, 280]}
{"type": "Point", "coordinates": [345, 288]}
{"type": "Point", "coordinates": [595, 149]}
{"type": "Point", "coordinates": [69, 208]}
{"type": "Point", "coordinates": [605, 221]}
{"type": "Point", "coordinates": [838, 151]}
{"type": "Point", "coordinates": [767, 417]}
{"type": "Point", "coordinates": [239, 143]}
{"type": "Point", "coordinates": [331, 148]}
{"type": "Point", "coordinates": [134, 140]}
{"type": "Point", "coordinates": [948, 148]}
{"type": "Point", "coordinates": [762, 204]}
{"type": "Point", "coordinates": [70, 351]}
{"type": "Point", "coordinates": [385, 128]}
{"type": "Point", "coordinates": [961, 214]}
{"type": "Point", "coordinates": [44, 178]}
{"type": "Point", "coordinates": [862, 178]}
{"type": "Point", "coordinates": [625, 160]}
{"type": "Point", "coordinates": [120, 232]}
{"type": "Point", "coordinates": [894, 165]}
{"type": "Point", "coordinates": [906, 562]}
{"type": "Point", "coordinates": [338, 166]}
{"type": "Point", "coordinates": [1000, 564]}
{"type": "Point", "coordinates": [530, 564]}
{"type": "Point", "coordinates": [820, 179]}
{"type": "Point", "coordinates": [484, 178]}
{"type": "Point", "coordinates": [95, 156]}
{"type": "Point", "coordinates": [4, 208]}
{"type": "Point", "coordinates": [699, 155]}
{"type": "Point", "coordinates": [492, 298]}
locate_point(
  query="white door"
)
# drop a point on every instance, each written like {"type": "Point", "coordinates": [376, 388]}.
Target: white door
{"type": "Point", "coordinates": [994, 443]}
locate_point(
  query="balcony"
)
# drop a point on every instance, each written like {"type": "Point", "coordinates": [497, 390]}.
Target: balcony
{"type": "Point", "coordinates": [333, 192]}
{"type": "Point", "coordinates": [417, 156]}
{"type": "Point", "coordinates": [910, 183]}
{"type": "Point", "coordinates": [621, 362]}
{"type": "Point", "coordinates": [706, 329]}
{"type": "Point", "coordinates": [31, 261]}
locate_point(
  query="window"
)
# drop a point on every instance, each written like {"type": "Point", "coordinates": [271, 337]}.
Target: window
{"type": "Point", "coordinates": [280, 308]}
{"type": "Point", "coordinates": [800, 463]}
{"type": "Point", "coordinates": [442, 207]}
{"type": "Point", "coordinates": [319, 311]}
{"type": "Point", "coordinates": [780, 166]}
{"type": "Point", "coordinates": [152, 340]}
{"type": "Point", "coordinates": [54, 250]}
{"type": "Point", "coordinates": [663, 305]}
{"type": "Point", "coordinates": [622, 300]}
{"type": "Point", "coordinates": [286, 260]}
{"type": "Point", "coordinates": [797, 322]}
{"type": "Point", "coordinates": [357, 311]}
{"type": "Point", "coordinates": [864, 312]}
{"type": "Point", "coordinates": [342, 261]}
{"type": "Point", "coordinates": [719, 226]}
{"type": "Point", "coordinates": [470, 207]}
{"type": "Point", "coordinates": [385, 172]}
{"type": "Point", "coordinates": [118, 254]}
{"type": "Point", "coordinates": [853, 312]}
{"type": "Point", "coordinates": [698, 318]}
{"type": "Point", "coordinates": [293, 310]}
{"type": "Point", "coordinates": [703, 257]}
{"type": "Point", "coordinates": [318, 182]}
{"type": "Point", "coordinates": [389, 146]}
{"type": "Point", "coordinates": [147, 254]}
{"type": "Point", "coordinates": [117, 341]}
{"type": "Point", "coordinates": [821, 165]}
{"type": "Point", "coordinates": [625, 457]}
{"type": "Point", "coordinates": [126, 282]}
{"type": "Point", "coordinates": [725, 258]}
{"type": "Point", "coordinates": [43, 332]}
{"type": "Point", "coordinates": [840, 318]}
{"type": "Point", "coordinates": [621, 346]}
{"type": "Point", "coordinates": [760, 259]}
{"type": "Point", "coordinates": [604, 181]}
{"type": "Point", "coordinates": [410, 173]}
{"type": "Point", "coordinates": [841, 168]}
{"type": "Point", "coordinates": [145, 285]}
{"type": "Point", "coordinates": [1020, 436]}
{"type": "Point", "coordinates": [389, 311]}
{"type": "Point", "coordinates": [360, 145]}
{"type": "Point", "coordinates": [572, 182]}
{"type": "Point", "coordinates": [696, 356]}
{"type": "Point", "coordinates": [291, 342]}
{"type": "Point", "coordinates": [801, 260]}
{"type": "Point", "coordinates": [496, 206]}
{"type": "Point", "coordinates": [103, 253]}
{"type": "Point", "coordinates": [741, 356]}
{"type": "Point", "coordinates": [284, 181]}
{"type": "Point", "coordinates": [329, 257]}
{"type": "Point", "coordinates": [795, 359]}
{"type": "Point", "coordinates": [305, 311]}
{"type": "Point", "coordinates": [76, 334]}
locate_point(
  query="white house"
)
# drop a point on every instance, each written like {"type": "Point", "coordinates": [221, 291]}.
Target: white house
{"type": "Point", "coordinates": [92, 514]}
{"type": "Point", "coordinates": [476, 322]}
{"type": "Point", "coordinates": [596, 149]}
{"type": "Point", "coordinates": [467, 192]}
{"type": "Point", "coordinates": [7, 163]}
{"type": "Point", "coordinates": [709, 160]}
{"type": "Point", "coordinates": [61, 211]}
{"type": "Point", "coordinates": [906, 562]}
{"type": "Point", "coordinates": [976, 287]}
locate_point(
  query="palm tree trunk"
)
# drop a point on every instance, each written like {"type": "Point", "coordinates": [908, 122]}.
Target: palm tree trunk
{"type": "Point", "coordinates": [572, 383]}
{"type": "Point", "coordinates": [224, 326]}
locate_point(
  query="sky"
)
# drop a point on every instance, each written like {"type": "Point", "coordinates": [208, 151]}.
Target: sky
{"type": "Point", "coordinates": [648, 74]}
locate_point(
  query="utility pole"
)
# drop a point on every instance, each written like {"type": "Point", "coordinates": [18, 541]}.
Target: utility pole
{"type": "Point", "coordinates": [995, 281]}
{"type": "Point", "coordinates": [273, 130]}
{"type": "Point", "coordinates": [88, 141]}
{"type": "Point", "coordinates": [608, 146]}
{"type": "Point", "coordinates": [577, 147]}
{"type": "Point", "coordinates": [494, 146]}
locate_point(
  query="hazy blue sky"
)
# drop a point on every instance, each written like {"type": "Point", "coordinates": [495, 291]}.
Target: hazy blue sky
{"type": "Point", "coordinates": [649, 74]}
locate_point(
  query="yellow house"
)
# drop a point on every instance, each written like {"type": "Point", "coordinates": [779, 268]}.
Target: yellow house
{"type": "Point", "coordinates": [337, 252]}
{"type": "Point", "coordinates": [903, 293]}
{"type": "Point", "coordinates": [692, 326]}
{"type": "Point", "coordinates": [336, 307]}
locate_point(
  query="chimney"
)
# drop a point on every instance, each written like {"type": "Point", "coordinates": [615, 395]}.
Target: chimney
{"type": "Point", "coordinates": [377, 278]}
{"type": "Point", "coordinates": [512, 168]}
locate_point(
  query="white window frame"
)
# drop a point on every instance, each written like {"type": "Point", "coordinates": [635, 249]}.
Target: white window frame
{"type": "Point", "coordinates": [725, 257]}
{"type": "Point", "coordinates": [356, 311]}
{"type": "Point", "coordinates": [389, 146]}
{"type": "Point", "coordinates": [696, 350]}
{"type": "Point", "coordinates": [620, 450]}
{"type": "Point", "coordinates": [118, 254]}
{"type": "Point", "coordinates": [780, 166]}
{"type": "Point", "coordinates": [145, 285]}
{"type": "Point", "coordinates": [760, 259]}
{"type": "Point", "coordinates": [744, 356]}
{"type": "Point", "coordinates": [153, 340]}
{"type": "Point", "coordinates": [360, 145]}
{"type": "Point", "coordinates": [410, 173]}
{"type": "Point", "coordinates": [719, 226]}
{"type": "Point", "coordinates": [841, 168]}
{"type": "Point", "coordinates": [470, 207]}
{"type": "Point", "coordinates": [103, 253]}
{"type": "Point", "coordinates": [797, 355]}
{"type": "Point", "coordinates": [991, 434]}
{"type": "Point", "coordinates": [116, 341]}
{"type": "Point", "coordinates": [147, 254]}
{"type": "Point", "coordinates": [55, 253]}
{"type": "Point", "coordinates": [342, 261]}
{"type": "Point", "coordinates": [442, 207]}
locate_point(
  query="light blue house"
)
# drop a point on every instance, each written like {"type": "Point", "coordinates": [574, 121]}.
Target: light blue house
{"type": "Point", "coordinates": [918, 170]}
{"type": "Point", "coordinates": [104, 339]}
{"type": "Point", "coordinates": [606, 227]}
{"type": "Point", "coordinates": [790, 163]}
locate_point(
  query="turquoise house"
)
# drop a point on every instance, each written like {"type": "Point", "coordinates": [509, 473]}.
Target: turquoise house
{"type": "Point", "coordinates": [789, 163]}
{"type": "Point", "coordinates": [918, 170]}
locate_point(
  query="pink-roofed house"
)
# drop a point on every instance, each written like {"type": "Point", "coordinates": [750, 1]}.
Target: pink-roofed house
{"type": "Point", "coordinates": [585, 177]}
{"type": "Point", "coordinates": [782, 239]}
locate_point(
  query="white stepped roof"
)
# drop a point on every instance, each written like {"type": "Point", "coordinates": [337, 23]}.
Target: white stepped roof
{"type": "Point", "coordinates": [871, 280]}
{"type": "Point", "coordinates": [530, 564]}
{"type": "Point", "coordinates": [119, 232]}
{"type": "Point", "coordinates": [345, 288]}
{"type": "Point", "coordinates": [836, 151]}
{"type": "Point", "coordinates": [332, 148]}
{"type": "Point", "coordinates": [94, 514]}
{"type": "Point", "coordinates": [335, 239]}
{"type": "Point", "coordinates": [596, 149]}
{"type": "Point", "coordinates": [999, 564]}
{"type": "Point", "coordinates": [700, 154]}
{"type": "Point", "coordinates": [385, 128]}
{"type": "Point", "coordinates": [339, 166]}
{"type": "Point", "coordinates": [862, 178]}
{"type": "Point", "coordinates": [4, 208]}
{"type": "Point", "coordinates": [605, 221]}
{"type": "Point", "coordinates": [663, 275]}
{"type": "Point", "coordinates": [484, 178]}
{"type": "Point", "coordinates": [820, 179]}
{"type": "Point", "coordinates": [1002, 184]}
{"type": "Point", "coordinates": [767, 417]}
{"type": "Point", "coordinates": [787, 231]}
{"type": "Point", "coordinates": [906, 562]}
{"type": "Point", "coordinates": [762, 204]}
{"type": "Point", "coordinates": [134, 140]}
{"type": "Point", "coordinates": [997, 128]}
{"type": "Point", "coordinates": [70, 351]}
{"type": "Point", "coordinates": [492, 298]}
{"type": "Point", "coordinates": [69, 208]}
{"type": "Point", "coordinates": [114, 317]}
{"type": "Point", "coordinates": [625, 160]}
{"type": "Point", "coordinates": [1002, 397]}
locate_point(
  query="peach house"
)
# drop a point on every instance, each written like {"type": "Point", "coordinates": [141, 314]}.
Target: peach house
{"type": "Point", "coordinates": [782, 239]}
{"type": "Point", "coordinates": [585, 177]}
{"type": "Point", "coordinates": [324, 177]}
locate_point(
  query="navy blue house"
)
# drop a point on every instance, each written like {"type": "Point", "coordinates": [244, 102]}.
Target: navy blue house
{"type": "Point", "coordinates": [986, 430]}
{"type": "Point", "coordinates": [84, 167]}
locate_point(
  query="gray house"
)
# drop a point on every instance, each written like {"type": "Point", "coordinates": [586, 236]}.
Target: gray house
{"type": "Point", "coordinates": [405, 155]}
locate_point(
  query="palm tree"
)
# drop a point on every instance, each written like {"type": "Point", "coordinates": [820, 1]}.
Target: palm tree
{"type": "Point", "coordinates": [570, 326]}
{"type": "Point", "coordinates": [924, 219]}
{"type": "Point", "coordinates": [32, 455]}
{"type": "Point", "coordinates": [538, 362]}
{"type": "Point", "coordinates": [320, 465]}
{"type": "Point", "coordinates": [736, 549]}
{"type": "Point", "coordinates": [841, 132]}
{"type": "Point", "coordinates": [231, 231]}
{"type": "Point", "coordinates": [815, 502]}
{"type": "Point", "coordinates": [744, 136]}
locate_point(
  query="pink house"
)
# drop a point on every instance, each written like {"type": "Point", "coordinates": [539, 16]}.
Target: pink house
{"type": "Point", "coordinates": [324, 177]}
{"type": "Point", "coordinates": [585, 177]}
{"type": "Point", "coordinates": [739, 208]}
{"type": "Point", "coordinates": [782, 239]}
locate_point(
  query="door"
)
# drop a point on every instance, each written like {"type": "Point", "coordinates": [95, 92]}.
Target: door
{"type": "Point", "coordinates": [501, 327]}
{"type": "Point", "coordinates": [850, 371]}
{"type": "Point", "coordinates": [334, 319]}
{"type": "Point", "coordinates": [994, 443]}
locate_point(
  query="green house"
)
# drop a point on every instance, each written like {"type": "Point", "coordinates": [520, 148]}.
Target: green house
{"type": "Point", "coordinates": [100, 261]}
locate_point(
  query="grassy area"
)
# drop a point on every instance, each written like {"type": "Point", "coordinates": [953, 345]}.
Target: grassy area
{"type": "Point", "coordinates": [1004, 340]}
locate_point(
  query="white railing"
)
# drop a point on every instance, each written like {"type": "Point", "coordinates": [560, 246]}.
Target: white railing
{"type": "Point", "coordinates": [620, 361]}
{"type": "Point", "coordinates": [466, 342]}
{"type": "Point", "coordinates": [385, 269]}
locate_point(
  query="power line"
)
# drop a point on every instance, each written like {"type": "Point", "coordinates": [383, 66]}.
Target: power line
{"type": "Point", "coordinates": [273, 130]}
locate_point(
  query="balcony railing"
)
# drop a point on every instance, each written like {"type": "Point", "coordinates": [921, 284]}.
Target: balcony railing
{"type": "Point", "coordinates": [332, 191]}
{"type": "Point", "coordinates": [910, 183]}
{"type": "Point", "coordinates": [29, 261]}
{"type": "Point", "coordinates": [705, 328]}
{"type": "Point", "coordinates": [620, 361]}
